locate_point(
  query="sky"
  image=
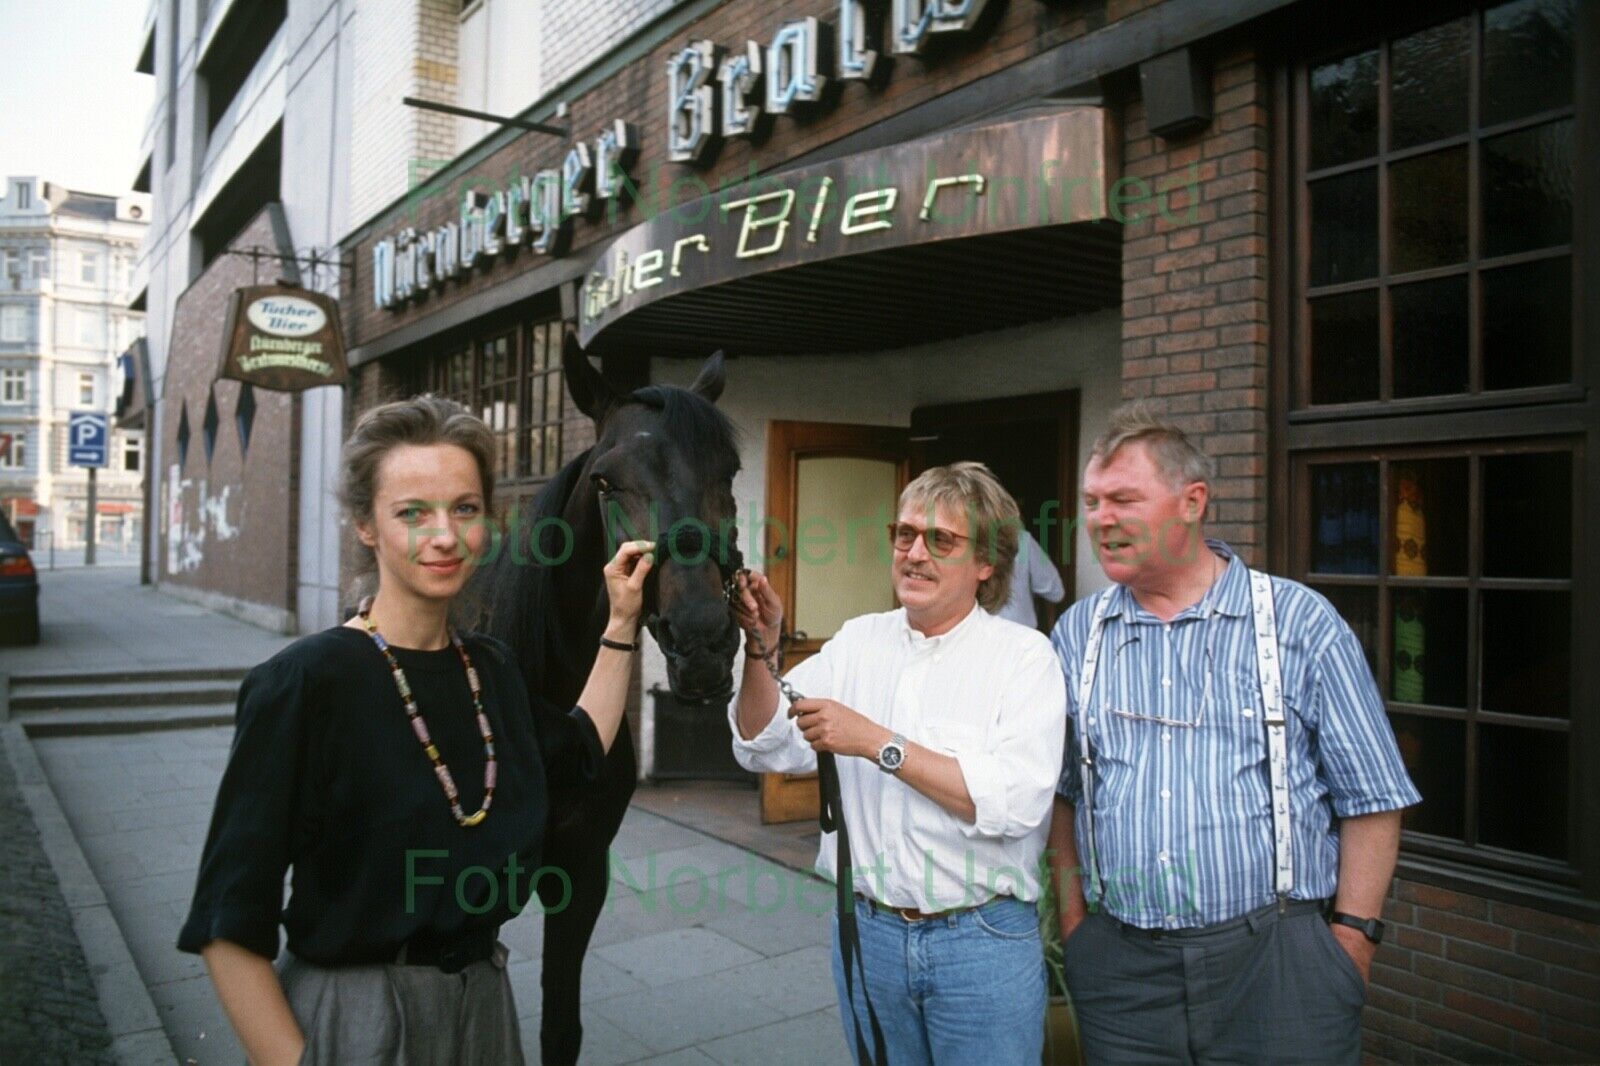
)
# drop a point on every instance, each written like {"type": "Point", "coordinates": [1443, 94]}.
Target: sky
{"type": "Point", "coordinates": [72, 108]}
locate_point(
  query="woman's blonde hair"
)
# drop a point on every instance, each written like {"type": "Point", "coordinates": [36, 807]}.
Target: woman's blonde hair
{"type": "Point", "coordinates": [992, 519]}
{"type": "Point", "coordinates": [422, 421]}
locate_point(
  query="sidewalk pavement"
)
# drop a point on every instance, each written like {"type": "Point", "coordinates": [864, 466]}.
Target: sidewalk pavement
{"type": "Point", "coordinates": [94, 618]}
{"type": "Point", "coordinates": [705, 953]}
{"type": "Point", "coordinates": [67, 558]}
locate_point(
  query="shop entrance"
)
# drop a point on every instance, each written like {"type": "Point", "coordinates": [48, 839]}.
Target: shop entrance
{"type": "Point", "coordinates": [832, 489]}
{"type": "Point", "coordinates": [1031, 444]}
{"type": "Point", "coordinates": [831, 492]}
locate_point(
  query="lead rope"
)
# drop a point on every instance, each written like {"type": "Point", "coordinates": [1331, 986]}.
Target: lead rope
{"type": "Point", "coordinates": [831, 819]}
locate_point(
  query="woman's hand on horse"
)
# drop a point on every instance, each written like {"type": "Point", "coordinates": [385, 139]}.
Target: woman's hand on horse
{"type": "Point", "coordinates": [625, 575]}
{"type": "Point", "coordinates": [758, 608]}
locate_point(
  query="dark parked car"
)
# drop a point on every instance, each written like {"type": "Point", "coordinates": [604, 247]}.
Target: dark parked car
{"type": "Point", "coordinates": [19, 589]}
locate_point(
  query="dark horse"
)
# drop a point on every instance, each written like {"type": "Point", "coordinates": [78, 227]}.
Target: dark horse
{"type": "Point", "coordinates": [664, 459]}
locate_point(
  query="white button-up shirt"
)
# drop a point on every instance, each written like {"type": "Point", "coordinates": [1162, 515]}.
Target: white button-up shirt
{"type": "Point", "coordinates": [989, 693]}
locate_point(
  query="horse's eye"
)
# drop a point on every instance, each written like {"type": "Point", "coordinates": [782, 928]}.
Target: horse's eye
{"type": "Point", "coordinates": [602, 484]}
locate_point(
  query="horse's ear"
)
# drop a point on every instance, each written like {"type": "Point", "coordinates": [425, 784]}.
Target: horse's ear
{"type": "Point", "coordinates": [709, 383]}
{"type": "Point", "coordinates": [589, 390]}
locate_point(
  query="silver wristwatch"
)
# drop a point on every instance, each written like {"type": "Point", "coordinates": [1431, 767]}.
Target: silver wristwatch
{"type": "Point", "coordinates": [892, 755]}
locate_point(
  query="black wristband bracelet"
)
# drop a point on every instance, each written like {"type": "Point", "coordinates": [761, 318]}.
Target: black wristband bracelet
{"type": "Point", "coordinates": [617, 645]}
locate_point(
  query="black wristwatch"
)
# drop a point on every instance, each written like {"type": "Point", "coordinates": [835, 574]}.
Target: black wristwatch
{"type": "Point", "coordinates": [1370, 928]}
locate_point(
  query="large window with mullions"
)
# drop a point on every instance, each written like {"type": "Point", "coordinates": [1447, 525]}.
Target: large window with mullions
{"type": "Point", "coordinates": [511, 378]}
{"type": "Point", "coordinates": [1465, 608]}
{"type": "Point", "coordinates": [1435, 191]}
{"type": "Point", "coordinates": [1436, 470]}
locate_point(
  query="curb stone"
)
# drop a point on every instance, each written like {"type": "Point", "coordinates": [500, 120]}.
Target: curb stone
{"type": "Point", "coordinates": [137, 1036]}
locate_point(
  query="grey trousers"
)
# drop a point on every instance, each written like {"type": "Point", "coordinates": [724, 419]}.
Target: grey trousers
{"type": "Point", "coordinates": [1267, 990]}
{"type": "Point", "coordinates": [404, 1015]}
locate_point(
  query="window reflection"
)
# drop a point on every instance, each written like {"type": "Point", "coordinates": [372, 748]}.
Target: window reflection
{"type": "Point", "coordinates": [1428, 84]}
{"type": "Point", "coordinates": [1435, 753]}
{"type": "Point", "coordinates": [1527, 515]}
{"type": "Point", "coordinates": [1527, 324]}
{"type": "Point", "coordinates": [1522, 803]}
{"type": "Point", "coordinates": [1527, 189]}
{"type": "Point", "coordinates": [1430, 337]}
{"type": "Point", "coordinates": [1527, 58]}
{"type": "Point", "coordinates": [1429, 654]}
{"type": "Point", "coordinates": [1344, 227]}
{"type": "Point", "coordinates": [1527, 652]}
{"type": "Point", "coordinates": [1344, 503]}
{"type": "Point", "coordinates": [1344, 109]}
{"type": "Point", "coordinates": [1344, 347]}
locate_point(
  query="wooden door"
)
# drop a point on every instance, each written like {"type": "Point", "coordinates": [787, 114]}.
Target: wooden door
{"type": "Point", "coordinates": [832, 489]}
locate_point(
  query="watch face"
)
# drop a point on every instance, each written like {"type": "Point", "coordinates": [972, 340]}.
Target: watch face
{"type": "Point", "coordinates": [891, 756]}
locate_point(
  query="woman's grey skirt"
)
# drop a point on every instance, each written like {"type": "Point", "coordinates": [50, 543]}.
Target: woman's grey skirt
{"type": "Point", "coordinates": [404, 1015]}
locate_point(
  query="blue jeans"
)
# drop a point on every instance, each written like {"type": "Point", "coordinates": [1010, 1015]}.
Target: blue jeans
{"type": "Point", "coordinates": [962, 989]}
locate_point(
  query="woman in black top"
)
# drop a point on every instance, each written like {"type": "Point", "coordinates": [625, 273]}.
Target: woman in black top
{"type": "Point", "coordinates": [413, 825]}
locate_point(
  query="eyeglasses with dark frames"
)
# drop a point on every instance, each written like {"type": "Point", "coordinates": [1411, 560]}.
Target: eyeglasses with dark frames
{"type": "Point", "coordinates": [940, 542]}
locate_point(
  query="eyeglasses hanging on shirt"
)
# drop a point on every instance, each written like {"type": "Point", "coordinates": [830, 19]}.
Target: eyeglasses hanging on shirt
{"type": "Point", "coordinates": [1120, 707]}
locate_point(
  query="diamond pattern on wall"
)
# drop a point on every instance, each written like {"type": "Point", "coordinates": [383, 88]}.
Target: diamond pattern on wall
{"type": "Point", "coordinates": [244, 416]}
{"type": "Point", "coordinates": [209, 426]}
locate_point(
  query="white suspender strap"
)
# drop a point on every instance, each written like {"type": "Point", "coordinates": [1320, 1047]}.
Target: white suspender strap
{"type": "Point", "coordinates": [1266, 625]}
{"type": "Point", "coordinates": [1087, 858]}
{"type": "Point", "coordinates": [1264, 615]}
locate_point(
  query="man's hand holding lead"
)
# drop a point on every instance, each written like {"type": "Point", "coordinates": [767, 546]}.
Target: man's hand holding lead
{"type": "Point", "coordinates": [829, 725]}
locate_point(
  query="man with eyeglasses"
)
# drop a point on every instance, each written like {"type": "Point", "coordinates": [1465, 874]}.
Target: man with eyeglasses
{"type": "Point", "coordinates": [1228, 816]}
{"type": "Point", "coordinates": [946, 723]}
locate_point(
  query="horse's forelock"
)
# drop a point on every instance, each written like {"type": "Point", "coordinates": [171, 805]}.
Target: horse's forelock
{"type": "Point", "coordinates": [693, 421]}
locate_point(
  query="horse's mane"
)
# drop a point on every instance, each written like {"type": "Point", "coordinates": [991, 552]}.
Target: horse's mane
{"type": "Point", "coordinates": [513, 599]}
{"type": "Point", "coordinates": [516, 602]}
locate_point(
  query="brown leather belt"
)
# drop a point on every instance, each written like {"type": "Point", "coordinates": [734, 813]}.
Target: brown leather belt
{"type": "Point", "coordinates": [911, 914]}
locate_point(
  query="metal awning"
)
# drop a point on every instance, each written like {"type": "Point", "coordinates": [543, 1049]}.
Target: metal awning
{"type": "Point", "coordinates": [889, 299]}
{"type": "Point", "coordinates": [975, 229]}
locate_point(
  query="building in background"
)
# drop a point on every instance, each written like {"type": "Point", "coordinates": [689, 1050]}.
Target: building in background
{"type": "Point", "coordinates": [275, 125]}
{"type": "Point", "coordinates": [66, 267]}
{"type": "Point", "coordinates": [1344, 246]}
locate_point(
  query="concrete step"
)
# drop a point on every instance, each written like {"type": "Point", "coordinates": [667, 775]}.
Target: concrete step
{"type": "Point", "coordinates": [86, 722]}
{"type": "Point", "coordinates": [114, 677]}
{"type": "Point", "coordinates": [164, 693]}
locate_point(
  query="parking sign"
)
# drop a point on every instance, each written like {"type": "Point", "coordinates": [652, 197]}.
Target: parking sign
{"type": "Point", "coordinates": [86, 439]}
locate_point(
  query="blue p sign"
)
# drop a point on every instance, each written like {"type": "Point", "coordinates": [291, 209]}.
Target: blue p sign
{"type": "Point", "coordinates": [86, 439]}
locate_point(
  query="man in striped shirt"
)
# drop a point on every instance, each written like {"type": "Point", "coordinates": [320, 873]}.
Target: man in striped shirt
{"type": "Point", "coordinates": [1211, 923]}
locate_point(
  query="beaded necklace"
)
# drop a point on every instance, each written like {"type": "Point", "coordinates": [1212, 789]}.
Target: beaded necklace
{"type": "Point", "coordinates": [420, 728]}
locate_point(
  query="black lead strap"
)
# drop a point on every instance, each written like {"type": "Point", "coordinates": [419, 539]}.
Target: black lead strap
{"type": "Point", "coordinates": [831, 818]}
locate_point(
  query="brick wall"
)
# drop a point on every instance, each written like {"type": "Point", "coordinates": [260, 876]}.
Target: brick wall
{"type": "Point", "coordinates": [401, 48]}
{"type": "Point", "coordinates": [1194, 270]}
{"type": "Point", "coordinates": [438, 50]}
{"type": "Point", "coordinates": [236, 511]}
{"type": "Point", "coordinates": [578, 33]}
{"type": "Point", "coordinates": [1475, 980]}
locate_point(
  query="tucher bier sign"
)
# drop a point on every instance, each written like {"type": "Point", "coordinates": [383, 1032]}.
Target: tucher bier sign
{"type": "Point", "coordinates": [283, 338]}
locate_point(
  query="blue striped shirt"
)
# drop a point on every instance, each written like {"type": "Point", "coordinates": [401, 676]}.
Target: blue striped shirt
{"type": "Point", "coordinates": [1182, 822]}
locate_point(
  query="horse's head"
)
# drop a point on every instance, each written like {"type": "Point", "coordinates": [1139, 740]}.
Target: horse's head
{"type": "Point", "coordinates": [662, 469]}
